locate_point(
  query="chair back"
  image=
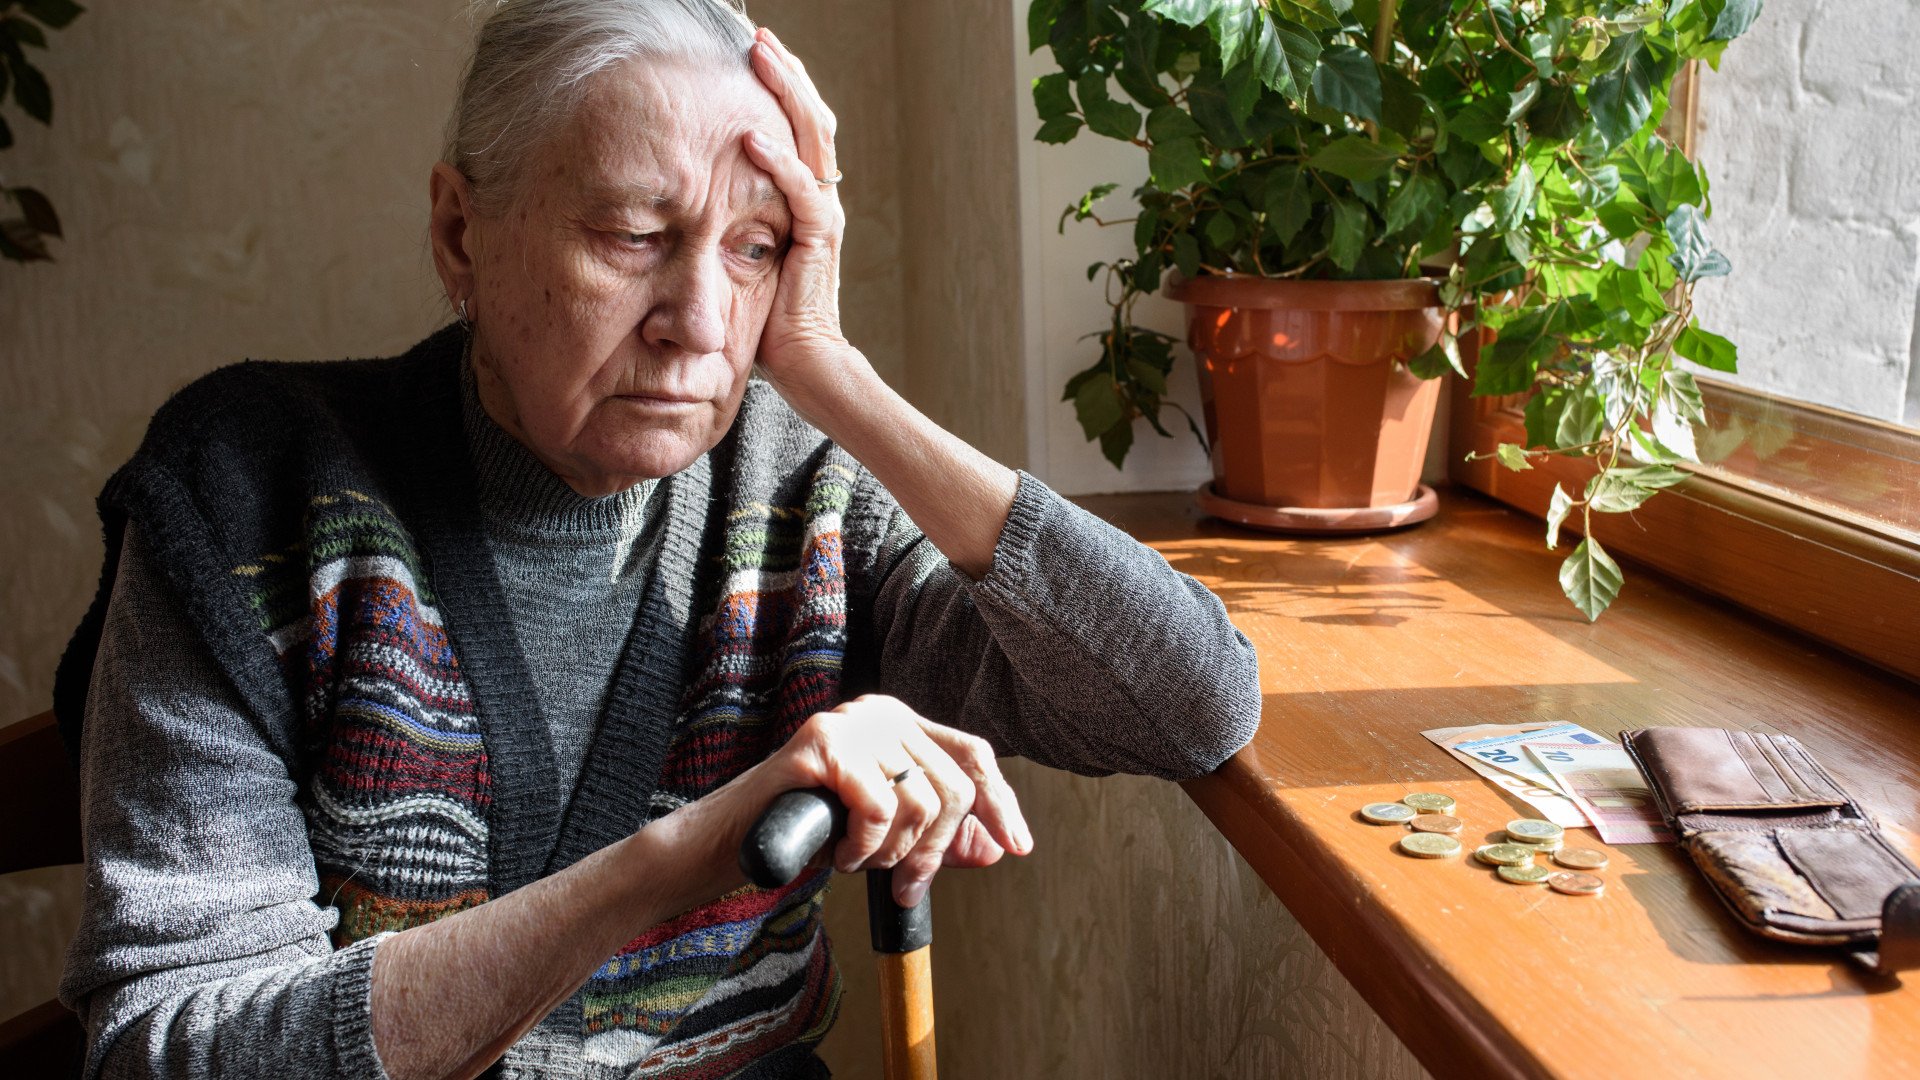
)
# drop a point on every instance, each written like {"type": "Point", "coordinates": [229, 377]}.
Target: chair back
{"type": "Point", "coordinates": [39, 826]}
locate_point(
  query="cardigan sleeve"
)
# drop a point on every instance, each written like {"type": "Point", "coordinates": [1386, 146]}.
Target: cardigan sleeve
{"type": "Point", "coordinates": [201, 951]}
{"type": "Point", "coordinates": [1080, 649]}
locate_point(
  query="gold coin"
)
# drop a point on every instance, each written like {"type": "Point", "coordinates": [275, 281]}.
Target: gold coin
{"type": "Point", "coordinates": [1426, 845]}
{"type": "Point", "coordinates": [1581, 858]}
{"type": "Point", "coordinates": [1533, 831]}
{"type": "Point", "coordinates": [1543, 846]}
{"type": "Point", "coordinates": [1429, 803]}
{"type": "Point", "coordinates": [1505, 854]}
{"type": "Point", "coordinates": [1437, 823]}
{"type": "Point", "coordinates": [1388, 813]}
{"type": "Point", "coordinates": [1524, 875]}
{"type": "Point", "coordinates": [1566, 881]}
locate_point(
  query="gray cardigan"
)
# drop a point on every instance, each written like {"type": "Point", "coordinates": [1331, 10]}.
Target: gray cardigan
{"type": "Point", "coordinates": [204, 946]}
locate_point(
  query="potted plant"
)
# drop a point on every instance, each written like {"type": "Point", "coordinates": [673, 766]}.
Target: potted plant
{"type": "Point", "coordinates": [1342, 189]}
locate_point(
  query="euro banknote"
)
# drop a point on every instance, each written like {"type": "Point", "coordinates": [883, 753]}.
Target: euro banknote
{"type": "Point", "coordinates": [1496, 756]}
{"type": "Point", "coordinates": [1597, 774]}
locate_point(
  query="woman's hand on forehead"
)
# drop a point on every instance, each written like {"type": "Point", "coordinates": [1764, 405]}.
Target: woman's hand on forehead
{"type": "Point", "coordinates": [802, 349]}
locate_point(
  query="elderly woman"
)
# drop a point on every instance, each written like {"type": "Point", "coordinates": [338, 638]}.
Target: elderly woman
{"type": "Point", "coordinates": [426, 700]}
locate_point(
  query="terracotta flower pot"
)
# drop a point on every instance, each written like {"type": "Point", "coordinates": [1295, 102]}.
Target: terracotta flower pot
{"type": "Point", "coordinates": [1309, 406]}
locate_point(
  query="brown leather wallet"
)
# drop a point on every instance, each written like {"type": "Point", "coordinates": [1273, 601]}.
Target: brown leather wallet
{"type": "Point", "coordinates": [1791, 854]}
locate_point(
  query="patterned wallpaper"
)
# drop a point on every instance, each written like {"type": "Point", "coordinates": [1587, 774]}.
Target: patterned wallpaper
{"type": "Point", "coordinates": [248, 178]}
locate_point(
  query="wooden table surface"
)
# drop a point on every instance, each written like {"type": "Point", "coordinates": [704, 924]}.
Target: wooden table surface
{"type": "Point", "coordinates": [1365, 642]}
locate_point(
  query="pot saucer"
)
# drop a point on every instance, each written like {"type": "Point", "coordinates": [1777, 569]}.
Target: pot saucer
{"type": "Point", "coordinates": [1305, 519]}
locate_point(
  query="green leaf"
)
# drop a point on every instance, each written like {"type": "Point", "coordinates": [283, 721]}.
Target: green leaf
{"type": "Point", "coordinates": [1617, 491]}
{"type": "Point", "coordinates": [1186, 254]}
{"type": "Point", "coordinates": [30, 89]}
{"type": "Point", "coordinates": [1060, 129]}
{"type": "Point", "coordinates": [1148, 376]}
{"type": "Point", "coordinates": [1671, 430]}
{"type": "Point", "coordinates": [1557, 509]}
{"type": "Point", "coordinates": [1590, 578]}
{"type": "Point", "coordinates": [1706, 348]}
{"type": "Point", "coordinates": [53, 13]}
{"type": "Point", "coordinates": [1622, 100]}
{"type": "Point", "coordinates": [1176, 163]}
{"type": "Point", "coordinates": [1680, 388]}
{"type": "Point", "coordinates": [1053, 96]}
{"type": "Point", "coordinates": [1105, 116]}
{"type": "Point", "coordinates": [1519, 100]}
{"type": "Point", "coordinates": [1285, 57]}
{"type": "Point", "coordinates": [1556, 114]}
{"type": "Point", "coordinates": [1350, 221]}
{"type": "Point", "coordinates": [1139, 70]}
{"type": "Point", "coordinates": [1115, 442]}
{"type": "Point", "coordinates": [1348, 80]}
{"type": "Point", "coordinates": [1355, 157]}
{"type": "Point", "coordinates": [1596, 187]}
{"type": "Point", "coordinates": [1401, 109]}
{"type": "Point", "coordinates": [1184, 12]}
{"type": "Point", "coordinates": [1097, 403]}
{"type": "Point", "coordinates": [1171, 122]}
{"type": "Point", "coordinates": [1082, 209]}
{"type": "Point", "coordinates": [1220, 231]}
{"type": "Point", "coordinates": [1513, 457]}
{"type": "Point", "coordinates": [1734, 20]}
{"type": "Point", "coordinates": [1513, 203]}
{"type": "Point", "coordinates": [1235, 24]}
{"type": "Point", "coordinates": [1289, 203]}
{"type": "Point", "coordinates": [1415, 205]}
{"type": "Point", "coordinates": [1694, 255]}
{"type": "Point", "coordinates": [1441, 357]}
{"type": "Point", "coordinates": [1040, 16]}
{"type": "Point", "coordinates": [1580, 421]}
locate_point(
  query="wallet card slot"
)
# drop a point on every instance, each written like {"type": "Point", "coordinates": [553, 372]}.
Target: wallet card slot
{"type": "Point", "coordinates": [1751, 873]}
{"type": "Point", "coordinates": [1852, 869]}
{"type": "Point", "coordinates": [1708, 769]}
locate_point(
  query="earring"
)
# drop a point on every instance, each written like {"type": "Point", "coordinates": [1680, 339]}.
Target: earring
{"type": "Point", "coordinates": [464, 320]}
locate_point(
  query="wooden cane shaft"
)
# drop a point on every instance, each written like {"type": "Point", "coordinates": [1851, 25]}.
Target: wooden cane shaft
{"type": "Point", "coordinates": [906, 1014]}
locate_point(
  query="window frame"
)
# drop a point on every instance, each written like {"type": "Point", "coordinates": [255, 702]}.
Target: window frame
{"type": "Point", "coordinates": [1827, 573]}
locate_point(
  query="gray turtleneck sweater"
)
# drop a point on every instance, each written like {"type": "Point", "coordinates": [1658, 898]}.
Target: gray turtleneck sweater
{"type": "Point", "coordinates": [573, 568]}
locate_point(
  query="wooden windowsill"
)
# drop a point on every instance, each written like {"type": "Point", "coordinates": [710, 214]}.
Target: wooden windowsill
{"type": "Point", "coordinates": [1366, 641]}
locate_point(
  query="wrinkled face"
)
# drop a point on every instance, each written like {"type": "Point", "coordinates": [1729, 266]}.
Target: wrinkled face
{"type": "Point", "coordinates": [618, 301]}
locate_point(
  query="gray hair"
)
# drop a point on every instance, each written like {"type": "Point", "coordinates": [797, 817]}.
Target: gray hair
{"type": "Point", "coordinates": [532, 61]}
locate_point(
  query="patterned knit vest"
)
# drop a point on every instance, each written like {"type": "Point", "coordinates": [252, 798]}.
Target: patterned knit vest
{"type": "Point", "coordinates": [364, 621]}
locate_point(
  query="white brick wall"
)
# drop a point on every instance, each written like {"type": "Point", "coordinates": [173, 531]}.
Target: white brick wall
{"type": "Point", "coordinates": [1811, 134]}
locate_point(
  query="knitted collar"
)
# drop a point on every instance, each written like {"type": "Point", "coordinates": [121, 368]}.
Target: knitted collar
{"type": "Point", "coordinates": [518, 491]}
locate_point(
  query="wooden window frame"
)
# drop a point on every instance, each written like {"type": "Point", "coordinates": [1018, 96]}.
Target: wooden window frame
{"type": "Point", "coordinates": [1834, 575]}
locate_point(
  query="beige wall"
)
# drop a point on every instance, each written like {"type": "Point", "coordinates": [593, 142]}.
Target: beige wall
{"type": "Point", "coordinates": [247, 178]}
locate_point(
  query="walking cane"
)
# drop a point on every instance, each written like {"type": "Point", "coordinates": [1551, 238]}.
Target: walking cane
{"type": "Point", "coordinates": [779, 847]}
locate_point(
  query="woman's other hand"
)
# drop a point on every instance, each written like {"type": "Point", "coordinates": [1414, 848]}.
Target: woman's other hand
{"type": "Point", "coordinates": [919, 795]}
{"type": "Point", "coordinates": [802, 350]}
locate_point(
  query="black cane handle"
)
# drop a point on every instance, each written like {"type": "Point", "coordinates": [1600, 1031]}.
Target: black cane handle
{"type": "Point", "coordinates": [785, 840]}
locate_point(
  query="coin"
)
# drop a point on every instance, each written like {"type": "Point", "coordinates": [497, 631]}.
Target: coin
{"type": "Point", "coordinates": [1388, 813]}
{"type": "Point", "coordinates": [1542, 846]}
{"type": "Point", "coordinates": [1533, 831]}
{"type": "Point", "coordinates": [1581, 858]}
{"type": "Point", "coordinates": [1429, 803]}
{"type": "Point", "coordinates": [1566, 881]}
{"type": "Point", "coordinates": [1437, 823]}
{"type": "Point", "coordinates": [1505, 854]}
{"type": "Point", "coordinates": [1425, 845]}
{"type": "Point", "coordinates": [1524, 875]}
